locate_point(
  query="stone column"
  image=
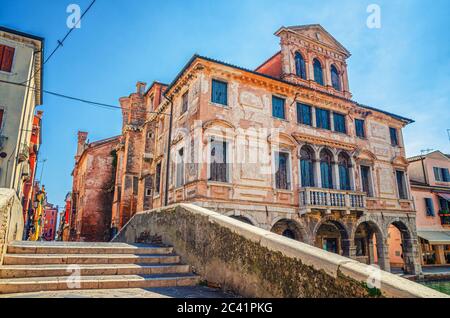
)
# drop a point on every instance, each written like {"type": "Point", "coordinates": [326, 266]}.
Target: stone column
{"type": "Point", "coordinates": [313, 117]}
{"type": "Point", "coordinates": [348, 248]}
{"type": "Point", "coordinates": [351, 172]}
{"type": "Point", "coordinates": [383, 256]}
{"type": "Point", "coordinates": [331, 121]}
{"type": "Point", "coordinates": [411, 257]}
{"type": "Point", "coordinates": [336, 178]}
{"type": "Point", "coordinates": [370, 252]}
{"type": "Point", "coordinates": [317, 174]}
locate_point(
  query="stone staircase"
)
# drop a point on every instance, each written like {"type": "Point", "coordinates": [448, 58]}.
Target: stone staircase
{"type": "Point", "coordinates": [51, 266]}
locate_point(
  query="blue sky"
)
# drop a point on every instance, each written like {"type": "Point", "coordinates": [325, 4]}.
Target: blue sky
{"type": "Point", "coordinates": [403, 67]}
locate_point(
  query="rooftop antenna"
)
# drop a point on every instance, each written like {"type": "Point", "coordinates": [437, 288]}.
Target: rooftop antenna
{"type": "Point", "coordinates": [425, 151]}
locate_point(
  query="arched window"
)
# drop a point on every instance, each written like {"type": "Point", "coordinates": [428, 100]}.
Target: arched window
{"type": "Point", "coordinates": [306, 167]}
{"type": "Point", "coordinates": [300, 66]}
{"type": "Point", "coordinates": [318, 73]}
{"type": "Point", "coordinates": [344, 171]}
{"type": "Point", "coordinates": [326, 169]}
{"type": "Point", "coordinates": [335, 81]}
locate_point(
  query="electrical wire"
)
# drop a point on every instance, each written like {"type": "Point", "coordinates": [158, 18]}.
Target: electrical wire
{"type": "Point", "coordinates": [86, 101]}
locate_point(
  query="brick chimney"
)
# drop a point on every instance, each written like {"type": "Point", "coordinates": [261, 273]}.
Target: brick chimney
{"type": "Point", "coordinates": [140, 88]}
{"type": "Point", "coordinates": [81, 145]}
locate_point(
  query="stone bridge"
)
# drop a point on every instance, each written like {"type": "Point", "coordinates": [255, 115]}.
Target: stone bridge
{"type": "Point", "coordinates": [254, 262]}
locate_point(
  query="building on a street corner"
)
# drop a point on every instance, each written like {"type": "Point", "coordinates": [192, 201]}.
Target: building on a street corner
{"type": "Point", "coordinates": [93, 189]}
{"type": "Point", "coordinates": [21, 70]}
{"type": "Point", "coordinates": [430, 186]}
{"type": "Point", "coordinates": [283, 147]}
{"type": "Point", "coordinates": [65, 219]}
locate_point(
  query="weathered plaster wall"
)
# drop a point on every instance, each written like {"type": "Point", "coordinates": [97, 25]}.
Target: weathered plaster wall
{"type": "Point", "coordinates": [256, 263]}
{"type": "Point", "coordinates": [11, 219]}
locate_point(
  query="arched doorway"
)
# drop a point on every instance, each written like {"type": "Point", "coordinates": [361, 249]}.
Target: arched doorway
{"type": "Point", "coordinates": [289, 229]}
{"type": "Point", "coordinates": [401, 250]}
{"type": "Point", "coordinates": [242, 219]}
{"type": "Point", "coordinates": [333, 237]}
{"type": "Point", "coordinates": [369, 244]}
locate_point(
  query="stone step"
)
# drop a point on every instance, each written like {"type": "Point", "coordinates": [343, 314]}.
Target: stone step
{"type": "Point", "coordinates": [40, 259]}
{"type": "Point", "coordinates": [35, 284]}
{"type": "Point", "coordinates": [22, 271]}
{"type": "Point", "coordinates": [84, 248]}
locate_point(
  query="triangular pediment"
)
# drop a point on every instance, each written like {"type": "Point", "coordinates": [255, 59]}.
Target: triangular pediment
{"type": "Point", "coordinates": [316, 33]}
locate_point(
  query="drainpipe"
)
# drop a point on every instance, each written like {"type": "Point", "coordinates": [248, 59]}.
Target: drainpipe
{"type": "Point", "coordinates": [169, 141]}
{"type": "Point", "coordinates": [424, 173]}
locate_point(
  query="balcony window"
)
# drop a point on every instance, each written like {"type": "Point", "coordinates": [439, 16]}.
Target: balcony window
{"type": "Point", "coordinates": [307, 167]}
{"type": "Point", "coordinates": [335, 81]}
{"type": "Point", "coordinates": [365, 180]}
{"type": "Point", "coordinates": [304, 114]}
{"type": "Point", "coordinates": [218, 161]}
{"type": "Point", "coordinates": [300, 66]}
{"type": "Point", "coordinates": [344, 171]}
{"type": "Point", "coordinates": [322, 118]}
{"type": "Point", "coordinates": [278, 110]}
{"type": "Point", "coordinates": [282, 171]}
{"type": "Point", "coordinates": [326, 169]}
{"type": "Point", "coordinates": [318, 72]}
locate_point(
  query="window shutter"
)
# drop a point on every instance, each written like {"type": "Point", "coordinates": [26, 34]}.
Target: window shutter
{"type": "Point", "coordinates": [7, 59]}
{"type": "Point", "coordinates": [429, 206]}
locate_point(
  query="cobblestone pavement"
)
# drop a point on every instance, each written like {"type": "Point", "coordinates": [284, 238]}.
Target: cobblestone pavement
{"type": "Point", "coordinates": [160, 292]}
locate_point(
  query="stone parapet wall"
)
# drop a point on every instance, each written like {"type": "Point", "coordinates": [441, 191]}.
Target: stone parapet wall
{"type": "Point", "coordinates": [11, 219]}
{"type": "Point", "coordinates": [253, 262]}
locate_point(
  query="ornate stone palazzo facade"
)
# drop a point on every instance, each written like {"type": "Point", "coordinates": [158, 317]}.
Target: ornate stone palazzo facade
{"type": "Point", "coordinates": [282, 147]}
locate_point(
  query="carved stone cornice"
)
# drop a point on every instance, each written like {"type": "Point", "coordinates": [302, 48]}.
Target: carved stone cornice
{"type": "Point", "coordinates": [324, 142]}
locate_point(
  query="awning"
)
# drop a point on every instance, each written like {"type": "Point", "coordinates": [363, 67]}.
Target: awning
{"type": "Point", "coordinates": [435, 237]}
{"type": "Point", "coordinates": [443, 195]}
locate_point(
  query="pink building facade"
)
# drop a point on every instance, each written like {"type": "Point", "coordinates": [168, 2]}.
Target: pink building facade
{"type": "Point", "coordinates": [430, 184]}
{"type": "Point", "coordinates": [282, 147]}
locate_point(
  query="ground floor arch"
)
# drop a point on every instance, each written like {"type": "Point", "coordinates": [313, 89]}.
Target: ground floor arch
{"type": "Point", "coordinates": [332, 236]}
{"type": "Point", "coordinates": [401, 247]}
{"type": "Point", "coordinates": [242, 219]}
{"type": "Point", "coordinates": [369, 242]}
{"type": "Point", "coordinates": [289, 228]}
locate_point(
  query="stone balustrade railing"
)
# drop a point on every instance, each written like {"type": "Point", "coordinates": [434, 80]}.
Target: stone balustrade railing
{"type": "Point", "coordinates": [331, 199]}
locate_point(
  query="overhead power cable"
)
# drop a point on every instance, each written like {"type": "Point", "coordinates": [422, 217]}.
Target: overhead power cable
{"type": "Point", "coordinates": [60, 42]}
{"type": "Point", "coordinates": [82, 100]}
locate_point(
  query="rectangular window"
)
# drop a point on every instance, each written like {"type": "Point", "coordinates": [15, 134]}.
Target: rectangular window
{"type": "Point", "coordinates": [401, 184]}
{"type": "Point", "coordinates": [135, 185]}
{"type": "Point", "coordinates": [158, 178]}
{"type": "Point", "coordinates": [219, 92]}
{"type": "Point", "coordinates": [359, 127]}
{"type": "Point", "coordinates": [445, 175]}
{"type": "Point", "coordinates": [184, 102]}
{"type": "Point", "coordinates": [304, 114]}
{"type": "Point", "coordinates": [218, 163]}
{"type": "Point", "coordinates": [278, 107]}
{"type": "Point", "coordinates": [437, 174]}
{"type": "Point", "coordinates": [180, 168]}
{"type": "Point", "coordinates": [394, 136]}
{"type": "Point", "coordinates": [322, 118]}
{"type": "Point", "coordinates": [429, 206]}
{"type": "Point", "coordinates": [365, 180]}
{"type": "Point", "coordinates": [339, 123]}
{"type": "Point", "coordinates": [6, 58]}
{"type": "Point", "coordinates": [443, 204]}
{"type": "Point", "coordinates": [282, 171]}
{"type": "Point", "coordinates": [148, 192]}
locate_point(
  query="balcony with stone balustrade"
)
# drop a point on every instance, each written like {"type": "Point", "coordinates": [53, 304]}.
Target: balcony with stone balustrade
{"type": "Point", "coordinates": [331, 199]}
